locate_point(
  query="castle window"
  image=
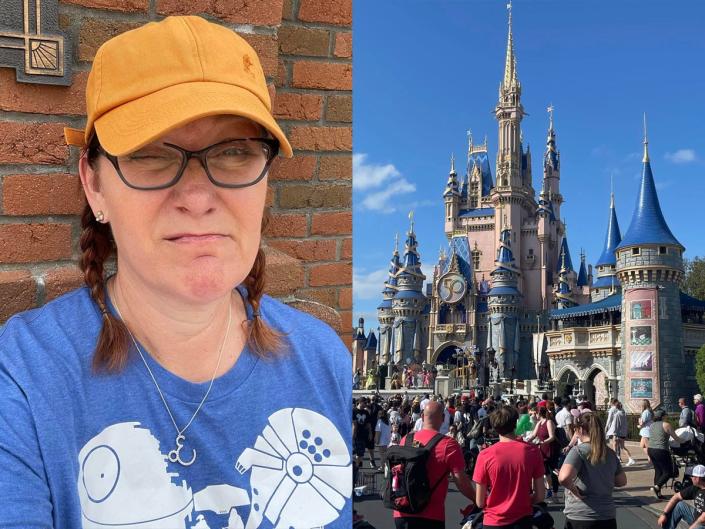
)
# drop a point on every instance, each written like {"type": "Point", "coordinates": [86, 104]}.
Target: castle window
{"type": "Point", "coordinates": [635, 251]}
{"type": "Point", "coordinates": [476, 258]}
{"type": "Point", "coordinates": [662, 250]}
{"type": "Point", "coordinates": [473, 194]}
{"type": "Point", "coordinates": [530, 257]}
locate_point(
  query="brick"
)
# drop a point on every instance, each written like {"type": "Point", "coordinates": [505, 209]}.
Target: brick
{"type": "Point", "coordinates": [332, 223]}
{"type": "Point", "coordinates": [269, 200]}
{"type": "Point", "coordinates": [40, 143]}
{"type": "Point", "coordinates": [282, 78]}
{"type": "Point", "coordinates": [327, 296]}
{"type": "Point", "coordinates": [26, 243]}
{"type": "Point", "coordinates": [261, 12]}
{"type": "Point", "coordinates": [42, 99]}
{"type": "Point", "coordinates": [346, 334]}
{"type": "Point", "coordinates": [305, 107]}
{"type": "Point", "coordinates": [310, 250]}
{"type": "Point", "coordinates": [58, 281]}
{"type": "Point", "coordinates": [317, 310]}
{"type": "Point", "coordinates": [343, 45]}
{"type": "Point", "coordinates": [296, 168]}
{"type": "Point", "coordinates": [339, 108]}
{"type": "Point", "coordinates": [345, 298]}
{"type": "Point", "coordinates": [294, 40]}
{"type": "Point", "coordinates": [115, 5]}
{"type": "Point", "coordinates": [323, 75]}
{"type": "Point", "coordinates": [320, 196]}
{"type": "Point", "coordinates": [330, 274]}
{"type": "Point", "coordinates": [321, 138]}
{"type": "Point", "coordinates": [286, 226]}
{"type": "Point", "coordinates": [18, 292]}
{"type": "Point", "coordinates": [283, 274]}
{"type": "Point", "coordinates": [338, 12]}
{"type": "Point", "coordinates": [94, 32]}
{"type": "Point", "coordinates": [42, 194]}
{"type": "Point", "coordinates": [335, 168]}
{"type": "Point", "coordinates": [346, 250]}
{"type": "Point", "coordinates": [267, 50]}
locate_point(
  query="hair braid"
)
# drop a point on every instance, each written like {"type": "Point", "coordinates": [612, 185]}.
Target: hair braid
{"type": "Point", "coordinates": [97, 246]}
{"type": "Point", "coordinates": [262, 339]}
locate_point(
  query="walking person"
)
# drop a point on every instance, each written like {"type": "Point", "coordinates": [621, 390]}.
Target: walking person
{"type": "Point", "coordinates": [383, 434]}
{"type": "Point", "coordinates": [645, 420]}
{"type": "Point", "coordinates": [446, 458]}
{"type": "Point", "coordinates": [545, 432]}
{"type": "Point", "coordinates": [677, 509]}
{"type": "Point", "coordinates": [512, 471]}
{"type": "Point", "coordinates": [619, 435]}
{"type": "Point", "coordinates": [687, 417]}
{"type": "Point", "coordinates": [659, 451]}
{"type": "Point", "coordinates": [589, 474]}
{"type": "Point", "coordinates": [699, 412]}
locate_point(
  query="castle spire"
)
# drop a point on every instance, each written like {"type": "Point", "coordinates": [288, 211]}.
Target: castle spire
{"type": "Point", "coordinates": [646, 143]}
{"type": "Point", "coordinates": [612, 238]}
{"type": "Point", "coordinates": [510, 62]}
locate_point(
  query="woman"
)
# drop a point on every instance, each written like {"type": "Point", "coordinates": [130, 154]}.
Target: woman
{"type": "Point", "coordinates": [545, 432]}
{"type": "Point", "coordinates": [619, 433]}
{"type": "Point", "coordinates": [383, 434]}
{"type": "Point", "coordinates": [659, 451]}
{"type": "Point", "coordinates": [589, 474]}
{"type": "Point", "coordinates": [131, 400]}
{"type": "Point", "coordinates": [645, 420]}
{"type": "Point", "coordinates": [524, 423]}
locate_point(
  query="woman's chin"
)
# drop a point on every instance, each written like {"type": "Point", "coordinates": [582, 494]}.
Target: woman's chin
{"type": "Point", "coordinates": [206, 283]}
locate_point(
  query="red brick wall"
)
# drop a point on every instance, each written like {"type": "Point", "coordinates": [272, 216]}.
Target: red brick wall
{"type": "Point", "coordinates": [305, 48]}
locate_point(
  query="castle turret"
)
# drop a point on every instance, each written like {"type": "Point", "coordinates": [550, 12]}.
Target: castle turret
{"type": "Point", "coordinates": [408, 302]}
{"type": "Point", "coordinates": [451, 197]}
{"type": "Point", "coordinates": [550, 189]}
{"type": "Point", "coordinates": [607, 282]}
{"type": "Point", "coordinates": [564, 294]}
{"type": "Point", "coordinates": [385, 315]}
{"type": "Point", "coordinates": [358, 346]}
{"type": "Point", "coordinates": [650, 269]}
{"type": "Point", "coordinates": [504, 300]}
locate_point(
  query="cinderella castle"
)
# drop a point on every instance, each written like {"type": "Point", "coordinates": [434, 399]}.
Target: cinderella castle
{"type": "Point", "coordinates": [509, 308]}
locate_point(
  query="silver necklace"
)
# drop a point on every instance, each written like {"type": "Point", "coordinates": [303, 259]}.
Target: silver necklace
{"type": "Point", "coordinates": [175, 455]}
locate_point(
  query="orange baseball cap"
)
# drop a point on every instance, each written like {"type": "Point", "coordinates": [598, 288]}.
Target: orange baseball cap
{"type": "Point", "coordinates": [155, 78]}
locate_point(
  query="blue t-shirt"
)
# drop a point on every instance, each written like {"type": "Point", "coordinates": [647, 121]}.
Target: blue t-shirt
{"type": "Point", "coordinates": [84, 450]}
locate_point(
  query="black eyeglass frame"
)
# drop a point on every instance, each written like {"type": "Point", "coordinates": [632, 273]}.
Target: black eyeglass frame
{"type": "Point", "coordinates": [200, 155]}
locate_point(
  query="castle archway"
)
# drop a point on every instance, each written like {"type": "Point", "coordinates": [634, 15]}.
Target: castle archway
{"type": "Point", "coordinates": [567, 381]}
{"type": "Point", "coordinates": [444, 353]}
{"type": "Point", "coordinates": [597, 386]}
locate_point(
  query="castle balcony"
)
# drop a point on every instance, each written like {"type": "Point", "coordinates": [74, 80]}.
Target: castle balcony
{"type": "Point", "coordinates": [445, 330]}
{"type": "Point", "coordinates": [574, 340]}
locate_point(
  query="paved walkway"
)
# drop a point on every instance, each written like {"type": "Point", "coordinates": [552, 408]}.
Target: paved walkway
{"type": "Point", "coordinates": [637, 507]}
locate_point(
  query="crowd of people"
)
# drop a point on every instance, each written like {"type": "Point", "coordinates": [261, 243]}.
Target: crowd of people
{"type": "Point", "coordinates": [510, 458]}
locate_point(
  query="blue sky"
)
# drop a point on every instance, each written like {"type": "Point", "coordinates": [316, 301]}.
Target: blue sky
{"type": "Point", "coordinates": [427, 71]}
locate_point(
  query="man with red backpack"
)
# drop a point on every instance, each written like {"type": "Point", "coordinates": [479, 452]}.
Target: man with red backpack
{"type": "Point", "coordinates": [444, 456]}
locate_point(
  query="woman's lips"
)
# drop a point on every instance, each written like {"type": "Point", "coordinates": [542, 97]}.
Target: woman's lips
{"type": "Point", "coordinates": [189, 238]}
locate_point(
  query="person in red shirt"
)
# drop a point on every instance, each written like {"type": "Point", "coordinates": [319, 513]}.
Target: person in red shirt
{"type": "Point", "coordinates": [510, 470]}
{"type": "Point", "coordinates": [447, 457]}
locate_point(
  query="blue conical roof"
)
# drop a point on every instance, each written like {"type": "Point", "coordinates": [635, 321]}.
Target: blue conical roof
{"type": "Point", "coordinates": [504, 253]}
{"type": "Point", "coordinates": [371, 341]}
{"type": "Point", "coordinates": [568, 260]}
{"type": "Point", "coordinates": [582, 274]}
{"type": "Point", "coordinates": [612, 239]}
{"type": "Point", "coordinates": [648, 225]}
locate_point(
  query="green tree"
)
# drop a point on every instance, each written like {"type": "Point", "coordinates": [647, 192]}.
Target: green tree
{"type": "Point", "coordinates": [694, 284]}
{"type": "Point", "coordinates": [700, 368]}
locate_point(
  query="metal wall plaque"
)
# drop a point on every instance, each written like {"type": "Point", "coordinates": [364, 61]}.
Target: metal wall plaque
{"type": "Point", "coordinates": [31, 42]}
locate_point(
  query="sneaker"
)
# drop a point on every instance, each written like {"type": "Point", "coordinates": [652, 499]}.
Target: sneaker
{"type": "Point", "coordinates": [630, 462]}
{"type": "Point", "coordinates": [657, 492]}
{"type": "Point", "coordinates": [373, 464]}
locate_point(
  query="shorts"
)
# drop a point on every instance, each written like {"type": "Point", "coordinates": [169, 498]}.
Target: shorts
{"type": "Point", "coordinates": [359, 447]}
{"type": "Point", "coordinates": [370, 443]}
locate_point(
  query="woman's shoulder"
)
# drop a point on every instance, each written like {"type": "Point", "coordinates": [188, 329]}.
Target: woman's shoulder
{"type": "Point", "coordinates": [62, 326]}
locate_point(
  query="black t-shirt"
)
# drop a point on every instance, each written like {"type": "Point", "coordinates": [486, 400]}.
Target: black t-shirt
{"type": "Point", "coordinates": [698, 496]}
{"type": "Point", "coordinates": [362, 418]}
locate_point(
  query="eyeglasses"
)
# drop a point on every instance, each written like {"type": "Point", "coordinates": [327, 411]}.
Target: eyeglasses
{"type": "Point", "coordinates": [231, 163]}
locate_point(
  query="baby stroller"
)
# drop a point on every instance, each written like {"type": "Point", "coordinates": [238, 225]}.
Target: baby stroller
{"type": "Point", "coordinates": [473, 517]}
{"type": "Point", "coordinates": [686, 455]}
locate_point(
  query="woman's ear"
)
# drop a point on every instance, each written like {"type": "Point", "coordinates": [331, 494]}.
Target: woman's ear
{"type": "Point", "coordinates": [91, 185]}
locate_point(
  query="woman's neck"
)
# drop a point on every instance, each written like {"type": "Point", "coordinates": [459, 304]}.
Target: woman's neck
{"type": "Point", "coordinates": [184, 338]}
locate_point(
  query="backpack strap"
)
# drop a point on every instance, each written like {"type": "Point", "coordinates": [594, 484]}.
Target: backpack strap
{"type": "Point", "coordinates": [430, 446]}
{"type": "Point", "coordinates": [409, 439]}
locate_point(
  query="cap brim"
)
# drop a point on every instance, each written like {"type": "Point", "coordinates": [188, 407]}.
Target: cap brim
{"type": "Point", "coordinates": [139, 122]}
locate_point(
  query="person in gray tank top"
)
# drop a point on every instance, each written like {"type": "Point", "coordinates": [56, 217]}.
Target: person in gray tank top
{"type": "Point", "coordinates": [659, 451]}
{"type": "Point", "coordinates": [589, 474]}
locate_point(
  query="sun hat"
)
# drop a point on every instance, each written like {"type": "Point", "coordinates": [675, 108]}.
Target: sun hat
{"type": "Point", "coordinates": [698, 471]}
{"type": "Point", "coordinates": [160, 76]}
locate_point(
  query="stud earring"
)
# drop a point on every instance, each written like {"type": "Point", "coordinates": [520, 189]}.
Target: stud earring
{"type": "Point", "coordinates": [100, 217]}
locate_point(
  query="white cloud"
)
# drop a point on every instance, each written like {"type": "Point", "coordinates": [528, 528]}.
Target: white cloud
{"type": "Point", "coordinates": [380, 200]}
{"type": "Point", "coordinates": [681, 156]}
{"type": "Point", "coordinates": [368, 175]}
{"type": "Point", "coordinates": [369, 285]}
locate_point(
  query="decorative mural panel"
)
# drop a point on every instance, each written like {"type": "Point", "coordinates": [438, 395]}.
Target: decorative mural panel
{"type": "Point", "coordinates": [641, 346]}
{"type": "Point", "coordinates": [31, 42]}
